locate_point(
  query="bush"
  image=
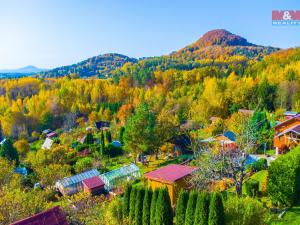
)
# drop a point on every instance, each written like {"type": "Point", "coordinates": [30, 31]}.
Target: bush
{"type": "Point", "coordinates": [244, 211]}
{"type": "Point", "coordinates": [113, 151]}
{"type": "Point", "coordinates": [181, 207]}
{"type": "Point", "coordinates": [83, 164]}
{"type": "Point", "coordinates": [216, 210]}
{"type": "Point", "coordinates": [259, 165]}
{"type": "Point", "coordinates": [283, 182]}
{"type": "Point", "coordinates": [252, 188]}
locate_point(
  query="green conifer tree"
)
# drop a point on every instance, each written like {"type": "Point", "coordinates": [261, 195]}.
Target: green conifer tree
{"type": "Point", "coordinates": [132, 205]}
{"type": "Point", "coordinates": [190, 210]}
{"type": "Point", "coordinates": [146, 207]}
{"type": "Point", "coordinates": [126, 201]}
{"type": "Point", "coordinates": [139, 206]}
{"type": "Point", "coordinates": [216, 210]}
{"type": "Point", "coordinates": [181, 207]}
{"type": "Point", "coordinates": [202, 209]}
{"type": "Point", "coordinates": [164, 213]}
{"type": "Point", "coordinates": [153, 207]}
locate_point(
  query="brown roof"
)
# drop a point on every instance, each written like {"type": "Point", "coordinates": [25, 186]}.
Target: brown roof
{"type": "Point", "coordinates": [53, 216]}
{"type": "Point", "coordinates": [286, 121]}
{"type": "Point", "coordinates": [246, 111]}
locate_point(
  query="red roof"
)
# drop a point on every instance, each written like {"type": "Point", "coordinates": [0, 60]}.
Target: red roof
{"type": "Point", "coordinates": [52, 134]}
{"type": "Point", "coordinates": [84, 152]}
{"type": "Point", "coordinates": [53, 216]}
{"type": "Point", "coordinates": [288, 120]}
{"type": "Point", "coordinates": [170, 173]}
{"type": "Point", "coordinates": [93, 182]}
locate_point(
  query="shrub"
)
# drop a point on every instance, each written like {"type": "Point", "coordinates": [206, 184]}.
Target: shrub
{"type": "Point", "coordinates": [283, 182]}
{"type": "Point", "coordinates": [83, 164]}
{"type": "Point", "coordinates": [202, 209]}
{"type": "Point", "coordinates": [260, 164]}
{"type": "Point", "coordinates": [216, 210]}
{"type": "Point", "coordinates": [163, 212]}
{"type": "Point", "coordinates": [181, 207]}
{"type": "Point", "coordinates": [252, 188]}
{"type": "Point", "coordinates": [190, 210]}
{"type": "Point", "coordinates": [244, 211]}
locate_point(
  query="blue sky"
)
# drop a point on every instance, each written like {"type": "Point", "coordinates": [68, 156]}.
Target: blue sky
{"type": "Point", "coordinates": [51, 33]}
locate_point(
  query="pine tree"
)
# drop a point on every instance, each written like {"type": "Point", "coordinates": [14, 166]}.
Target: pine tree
{"type": "Point", "coordinates": [202, 209]}
{"type": "Point", "coordinates": [126, 201]}
{"type": "Point", "coordinates": [164, 213]}
{"type": "Point", "coordinates": [190, 210]}
{"type": "Point", "coordinates": [181, 207]}
{"type": "Point", "coordinates": [146, 207]}
{"type": "Point", "coordinates": [108, 136]}
{"type": "Point", "coordinates": [139, 206]}
{"type": "Point", "coordinates": [132, 205]}
{"type": "Point", "coordinates": [9, 152]}
{"type": "Point", "coordinates": [153, 207]}
{"type": "Point", "coordinates": [1, 133]}
{"type": "Point", "coordinates": [102, 144]}
{"type": "Point", "coordinates": [216, 210]}
{"type": "Point", "coordinates": [89, 139]}
{"type": "Point", "coordinates": [121, 135]}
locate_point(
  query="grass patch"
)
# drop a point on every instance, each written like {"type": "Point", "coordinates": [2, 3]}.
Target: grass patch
{"type": "Point", "coordinates": [292, 217]}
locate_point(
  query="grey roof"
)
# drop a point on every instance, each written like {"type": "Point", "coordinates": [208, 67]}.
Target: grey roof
{"type": "Point", "coordinates": [290, 113]}
{"type": "Point", "coordinates": [78, 177]}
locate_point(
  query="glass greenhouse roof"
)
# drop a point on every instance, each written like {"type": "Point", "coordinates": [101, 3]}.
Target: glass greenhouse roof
{"type": "Point", "coordinates": [78, 177]}
{"type": "Point", "coordinates": [111, 178]}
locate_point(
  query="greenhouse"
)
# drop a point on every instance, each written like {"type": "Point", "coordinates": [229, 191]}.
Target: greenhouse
{"type": "Point", "coordinates": [118, 176]}
{"type": "Point", "coordinates": [72, 185]}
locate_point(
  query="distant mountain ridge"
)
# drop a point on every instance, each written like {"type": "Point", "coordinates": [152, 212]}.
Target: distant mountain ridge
{"type": "Point", "coordinates": [24, 70]}
{"type": "Point", "coordinates": [99, 66]}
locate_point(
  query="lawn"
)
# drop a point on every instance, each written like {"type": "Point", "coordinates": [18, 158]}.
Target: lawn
{"type": "Point", "coordinates": [292, 217]}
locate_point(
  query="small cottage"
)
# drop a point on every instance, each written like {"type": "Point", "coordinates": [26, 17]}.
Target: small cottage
{"type": "Point", "coordinates": [93, 185]}
{"type": "Point", "coordinates": [174, 177]}
{"type": "Point", "coordinates": [287, 134]}
{"type": "Point", "coordinates": [102, 125]}
{"type": "Point", "coordinates": [226, 141]}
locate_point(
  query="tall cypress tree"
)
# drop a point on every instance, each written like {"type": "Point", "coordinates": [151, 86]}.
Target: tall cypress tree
{"type": "Point", "coordinates": [181, 207]}
{"type": "Point", "coordinates": [126, 201]}
{"type": "Point", "coordinates": [139, 206]}
{"type": "Point", "coordinates": [1, 133]}
{"type": "Point", "coordinates": [153, 207]}
{"type": "Point", "coordinates": [108, 136]}
{"type": "Point", "coordinates": [164, 213]}
{"type": "Point", "coordinates": [102, 144]}
{"type": "Point", "coordinates": [121, 135]}
{"type": "Point", "coordinates": [216, 210]}
{"type": "Point", "coordinates": [202, 209]}
{"type": "Point", "coordinates": [146, 207]}
{"type": "Point", "coordinates": [190, 210]}
{"type": "Point", "coordinates": [132, 205]}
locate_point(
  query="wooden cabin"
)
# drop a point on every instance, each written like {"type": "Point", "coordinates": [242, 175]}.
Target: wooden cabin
{"type": "Point", "coordinates": [93, 185]}
{"type": "Point", "coordinates": [287, 134]}
{"type": "Point", "coordinates": [174, 177]}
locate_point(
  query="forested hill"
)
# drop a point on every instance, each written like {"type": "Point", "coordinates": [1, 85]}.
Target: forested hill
{"type": "Point", "coordinates": [98, 66]}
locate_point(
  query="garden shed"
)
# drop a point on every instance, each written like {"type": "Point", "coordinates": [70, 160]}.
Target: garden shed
{"type": "Point", "coordinates": [126, 173]}
{"type": "Point", "coordinates": [72, 185]}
